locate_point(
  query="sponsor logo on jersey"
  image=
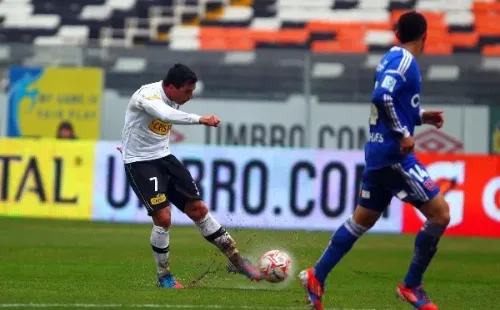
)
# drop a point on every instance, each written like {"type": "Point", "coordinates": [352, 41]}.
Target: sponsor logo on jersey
{"type": "Point", "coordinates": [389, 83]}
{"type": "Point", "coordinates": [158, 199]}
{"type": "Point", "coordinates": [153, 97]}
{"type": "Point", "coordinates": [160, 127]}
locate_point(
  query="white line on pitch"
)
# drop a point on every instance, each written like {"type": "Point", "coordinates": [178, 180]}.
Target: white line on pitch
{"type": "Point", "coordinates": [166, 306]}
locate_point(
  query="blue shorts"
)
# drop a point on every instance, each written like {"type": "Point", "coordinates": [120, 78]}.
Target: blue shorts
{"type": "Point", "coordinates": [408, 181]}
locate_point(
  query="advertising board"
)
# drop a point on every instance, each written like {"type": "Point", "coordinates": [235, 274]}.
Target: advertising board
{"type": "Point", "coordinates": [261, 188]}
{"type": "Point", "coordinates": [46, 178]}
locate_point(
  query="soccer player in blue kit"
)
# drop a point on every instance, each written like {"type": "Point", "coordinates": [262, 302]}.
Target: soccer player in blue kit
{"type": "Point", "coordinates": [392, 168]}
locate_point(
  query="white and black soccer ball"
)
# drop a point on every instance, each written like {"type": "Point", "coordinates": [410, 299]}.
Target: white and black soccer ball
{"type": "Point", "coordinates": [275, 265]}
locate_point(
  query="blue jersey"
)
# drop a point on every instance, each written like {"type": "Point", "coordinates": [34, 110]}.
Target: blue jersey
{"type": "Point", "coordinates": [395, 108]}
{"type": "Point", "coordinates": [394, 114]}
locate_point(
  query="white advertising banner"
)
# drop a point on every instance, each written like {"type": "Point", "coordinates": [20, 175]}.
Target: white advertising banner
{"type": "Point", "coordinates": [251, 188]}
{"type": "Point", "coordinates": [294, 123]}
{"type": "Point", "coordinates": [345, 127]}
{"type": "Point", "coordinates": [336, 126]}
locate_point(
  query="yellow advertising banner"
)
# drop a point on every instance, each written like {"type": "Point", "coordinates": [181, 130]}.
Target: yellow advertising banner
{"type": "Point", "coordinates": [46, 178]}
{"type": "Point", "coordinates": [55, 102]}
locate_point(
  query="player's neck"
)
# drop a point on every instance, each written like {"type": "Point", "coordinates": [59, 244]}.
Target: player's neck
{"type": "Point", "coordinates": [412, 48]}
{"type": "Point", "coordinates": [166, 93]}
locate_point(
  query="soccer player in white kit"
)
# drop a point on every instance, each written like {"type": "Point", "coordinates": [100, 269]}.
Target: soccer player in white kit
{"type": "Point", "coordinates": [158, 178]}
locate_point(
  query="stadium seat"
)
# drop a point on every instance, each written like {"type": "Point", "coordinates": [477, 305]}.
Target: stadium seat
{"type": "Point", "coordinates": [242, 41]}
{"type": "Point", "coordinates": [321, 25]}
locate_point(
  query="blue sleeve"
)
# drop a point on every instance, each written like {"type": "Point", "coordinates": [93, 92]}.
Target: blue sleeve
{"type": "Point", "coordinates": [388, 87]}
{"type": "Point", "coordinates": [420, 120]}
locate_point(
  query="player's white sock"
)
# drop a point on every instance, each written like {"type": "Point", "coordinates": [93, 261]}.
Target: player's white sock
{"type": "Point", "coordinates": [216, 234]}
{"type": "Point", "coordinates": [160, 240]}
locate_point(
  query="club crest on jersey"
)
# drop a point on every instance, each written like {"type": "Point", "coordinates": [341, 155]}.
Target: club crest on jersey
{"type": "Point", "coordinates": [158, 199]}
{"type": "Point", "coordinates": [160, 127]}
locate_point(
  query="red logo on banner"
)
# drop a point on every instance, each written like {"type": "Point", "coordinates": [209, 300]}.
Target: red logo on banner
{"type": "Point", "coordinates": [435, 141]}
{"type": "Point", "coordinates": [176, 136]}
{"type": "Point", "coordinates": [471, 185]}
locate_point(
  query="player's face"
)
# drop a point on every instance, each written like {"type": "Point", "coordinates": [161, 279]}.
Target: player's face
{"type": "Point", "coordinates": [422, 43]}
{"type": "Point", "coordinates": [184, 93]}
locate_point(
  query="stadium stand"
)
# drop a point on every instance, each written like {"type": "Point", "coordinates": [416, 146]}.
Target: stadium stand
{"type": "Point", "coordinates": [247, 43]}
{"type": "Point", "coordinates": [321, 25]}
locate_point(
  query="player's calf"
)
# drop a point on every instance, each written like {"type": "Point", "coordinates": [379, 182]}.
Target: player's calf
{"type": "Point", "coordinates": [438, 217]}
{"type": "Point", "coordinates": [213, 232]}
{"type": "Point", "coordinates": [343, 240]}
{"type": "Point", "coordinates": [160, 244]}
{"type": "Point", "coordinates": [210, 229]}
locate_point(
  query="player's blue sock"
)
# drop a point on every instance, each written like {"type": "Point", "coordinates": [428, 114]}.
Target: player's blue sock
{"type": "Point", "coordinates": [342, 241]}
{"type": "Point", "coordinates": [425, 248]}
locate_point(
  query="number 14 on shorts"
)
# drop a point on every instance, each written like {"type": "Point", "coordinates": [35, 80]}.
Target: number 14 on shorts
{"type": "Point", "coordinates": [422, 176]}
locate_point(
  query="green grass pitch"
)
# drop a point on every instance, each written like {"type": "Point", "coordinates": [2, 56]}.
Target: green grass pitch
{"type": "Point", "coordinates": [47, 262]}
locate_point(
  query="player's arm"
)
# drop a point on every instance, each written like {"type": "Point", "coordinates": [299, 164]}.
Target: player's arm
{"type": "Point", "coordinates": [383, 96]}
{"type": "Point", "coordinates": [162, 111]}
{"type": "Point", "coordinates": [433, 117]}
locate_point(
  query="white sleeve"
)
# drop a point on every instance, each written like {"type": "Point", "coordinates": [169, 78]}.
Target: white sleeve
{"type": "Point", "coordinates": [159, 109]}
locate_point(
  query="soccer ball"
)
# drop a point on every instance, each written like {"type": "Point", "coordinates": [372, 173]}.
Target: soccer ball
{"type": "Point", "coordinates": [275, 265]}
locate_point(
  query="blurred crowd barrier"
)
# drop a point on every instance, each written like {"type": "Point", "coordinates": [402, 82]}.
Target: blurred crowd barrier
{"type": "Point", "coordinates": [280, 98]}
{"type": "Point", "coordinates": [272, 188]}
{"type": "Point", "coordinates": [47, 109]}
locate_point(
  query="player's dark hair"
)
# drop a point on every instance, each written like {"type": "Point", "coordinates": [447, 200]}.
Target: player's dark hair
{"type": "Point", "coordinates": [411, 26]}
{"type": "Point", "coordinates": [180, 75]}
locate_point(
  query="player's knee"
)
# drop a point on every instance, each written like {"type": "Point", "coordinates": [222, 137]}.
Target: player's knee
{"type": "Point", "coordinates": [365, 217]}
{"type": "Point", "coordinates": [163, 222]}
{"type": "Point", "coordinates": [196, 210]}
{"type": "Point", "coordinates": [442, 217]}
{"type": "Point", "coordinates": [162, 218]}
{"type": "Point", "coordinates": [438, 211]}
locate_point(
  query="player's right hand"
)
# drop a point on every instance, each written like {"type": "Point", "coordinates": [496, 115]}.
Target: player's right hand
{"type": "Point", "coordinates": [210, 120]}
{"type": "Point", "coordinates": [407, 145]}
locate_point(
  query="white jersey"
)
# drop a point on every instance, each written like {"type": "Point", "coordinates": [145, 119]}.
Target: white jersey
{"type": "Point", "coordinates": [148, 121]}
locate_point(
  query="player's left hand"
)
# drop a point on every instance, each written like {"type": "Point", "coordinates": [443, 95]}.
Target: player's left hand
{"type": "Point", "coordinates": [434, 118]}
{"type": "Point", "coordinates": [119, 148]}
{"type": "Point", "coordinates": [210, 120]}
